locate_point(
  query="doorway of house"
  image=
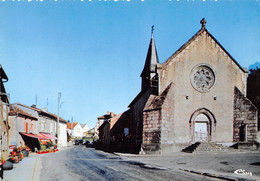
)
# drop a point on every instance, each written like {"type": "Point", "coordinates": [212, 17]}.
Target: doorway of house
{"type": "Point", "coordinates": [242, 132]}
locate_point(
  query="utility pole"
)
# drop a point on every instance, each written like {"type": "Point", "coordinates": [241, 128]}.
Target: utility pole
{"type": "Point", "coordinates": [71, 127]}
{"type": "Point", "coordinates": [58, 119]}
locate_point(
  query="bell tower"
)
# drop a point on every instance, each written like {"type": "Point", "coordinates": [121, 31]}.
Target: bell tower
{"type": "Point", "coordinates": [149, 74]}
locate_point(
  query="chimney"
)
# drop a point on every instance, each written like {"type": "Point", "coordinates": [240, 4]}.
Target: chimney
{"type": "Point", "coordinates": [112, 114]}
{"type": "Point", "coordinates": [34, 106]}
{"type": "Point", "coordinates": [45, 109]}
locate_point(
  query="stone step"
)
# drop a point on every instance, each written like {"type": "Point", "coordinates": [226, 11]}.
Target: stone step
{"type": "Point", "coordinates": [191, 148]}
{"type": "Point", "coordinates": [206, 147]}
{"type": "Point", "coordinates": [211, 147]}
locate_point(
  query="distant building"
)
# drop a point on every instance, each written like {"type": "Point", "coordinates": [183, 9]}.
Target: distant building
{"type": "Point", "coordinates": [90, 135]}
{"type": "Point", "coordinates": [77, 130]}
{"type": "Point", "coordinates": [114, 133]}
{"type": "Point", "coordinates": [85, 129]}
{"type": "Point", "coordinates": [101, 120]}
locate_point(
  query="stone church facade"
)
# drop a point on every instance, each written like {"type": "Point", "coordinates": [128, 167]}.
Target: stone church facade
{"type": "Point", "coordinates": [197, 95]}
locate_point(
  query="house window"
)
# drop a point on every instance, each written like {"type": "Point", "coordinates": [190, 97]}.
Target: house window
{"type": "Point", "coordinates": [126, 131]}
{"type": "Point", "coordinates": [25, 127]}
{"type": "Point", "coordinates": [42, 126]}
{"type": "Point", "coordinates": [78, 130]}
{"type": "Point", "coordinates": [31, 127]}
{"type": "Point", "coordinates": [51, 127]}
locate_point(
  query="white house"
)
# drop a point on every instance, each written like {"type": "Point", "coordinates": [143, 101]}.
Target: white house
{"type": "Point", "coordinates": [75, 130]}
{"type": "Point", "coordinates": [85, 129]}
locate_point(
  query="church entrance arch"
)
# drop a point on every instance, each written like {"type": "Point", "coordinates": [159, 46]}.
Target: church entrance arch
{"type": "Point", "coordinates": [202, 124]}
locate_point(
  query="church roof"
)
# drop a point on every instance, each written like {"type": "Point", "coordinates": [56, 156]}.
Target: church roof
{"type": "Point", "coordinates": [151, 58]}
{"type": "Point", "coordinates": [137, 97]}
{"type": "Point", "coordinates": [200, 32]}
{"type": "Point", "coordinates": [2, 73]}
{"type": "Point", "coordinates": [156, 102]}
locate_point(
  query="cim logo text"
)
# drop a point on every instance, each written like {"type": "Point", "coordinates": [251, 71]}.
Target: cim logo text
{"type": "Point", "coordinates": [242, 172]}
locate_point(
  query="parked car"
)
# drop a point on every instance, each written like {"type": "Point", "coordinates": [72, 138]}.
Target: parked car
{"type": "Point", "coordinates": [79, 142]}
{"type": "Point", "coordinates": [94, 144]}
{"type": "Point", "coordinates": [85, 142]}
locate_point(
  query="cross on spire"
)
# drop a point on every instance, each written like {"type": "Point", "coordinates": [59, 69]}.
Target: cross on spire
{"type": "Point", "coordinates": [152, 29]}
{"type": "Point", "coordinates": [203, 22]}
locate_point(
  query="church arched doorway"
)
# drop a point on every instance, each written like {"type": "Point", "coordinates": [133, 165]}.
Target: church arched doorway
{"type": "Point", "coordinates": [202, 125]}
{"type": "Point", "coordinates": [201, 128]}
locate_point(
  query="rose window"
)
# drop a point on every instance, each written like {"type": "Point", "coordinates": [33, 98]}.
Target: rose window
{"type": "Point", "coordinates": [202, 78]}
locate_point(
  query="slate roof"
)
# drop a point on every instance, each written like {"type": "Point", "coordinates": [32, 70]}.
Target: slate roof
{"type": "Point", "coordinates": [156, 102]}
{"type": "Point", "coordinates": [150, 65]}
{"type": "Point", "coordinates": [15, 111]}
{"type": "Point", "coordinates": [44, 113]}
{"type": "Point", "coordinates": [151, 59]}
{"type": "Point", "coordinates": [137, 97]}
{"type": "Point", "coordinates": [2, 74]}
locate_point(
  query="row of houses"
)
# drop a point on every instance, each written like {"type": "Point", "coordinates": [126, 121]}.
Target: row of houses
{"type": "Point", "coordinates": [28, 124]}
{"type": "Point", "coordinates": [199, 94]}
{"type": "Point", "coordinates": [23, 125]}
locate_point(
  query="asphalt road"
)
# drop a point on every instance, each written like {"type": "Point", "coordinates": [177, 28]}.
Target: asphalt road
{"type": "Point", "coordinates": [83, 164]}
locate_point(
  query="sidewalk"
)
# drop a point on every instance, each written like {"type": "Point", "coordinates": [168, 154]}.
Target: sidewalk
{"type": "Point", "coordinates": [26, 170]}
{"type": "Point", "coordinates": [220, 165]}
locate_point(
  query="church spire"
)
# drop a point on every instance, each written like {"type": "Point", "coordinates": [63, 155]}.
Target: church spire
{"type": "Point", "coordinates": [151, 58]}
{"type": "Point", "coordinates": [149, 74]}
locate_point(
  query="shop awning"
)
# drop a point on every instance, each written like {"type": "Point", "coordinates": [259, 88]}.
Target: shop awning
{"type": "Point", "coordinates": [33, 135]}
{"type": "Point", "coordinates": [48, 136]}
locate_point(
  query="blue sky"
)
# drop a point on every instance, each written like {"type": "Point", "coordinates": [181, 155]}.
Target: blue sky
{"type": "Point", "coordinates": [93, 52]}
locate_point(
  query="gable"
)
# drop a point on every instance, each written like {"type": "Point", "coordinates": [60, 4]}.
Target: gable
{"type": "Point", "coordinates": [202, 51]}
{"type": "Point", "coordinates": [194, 38]}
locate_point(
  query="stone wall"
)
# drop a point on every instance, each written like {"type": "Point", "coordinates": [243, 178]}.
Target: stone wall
{"type": "Point", "coordinates": [137, 114]}
{"type": "Point", "coordinates": [245, 115]}
{"type": "Point", "coordinates": [151, 131]}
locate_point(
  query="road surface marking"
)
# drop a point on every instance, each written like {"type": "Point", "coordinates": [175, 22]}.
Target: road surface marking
{"type": "Point", "coordinates": [113, 168]}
